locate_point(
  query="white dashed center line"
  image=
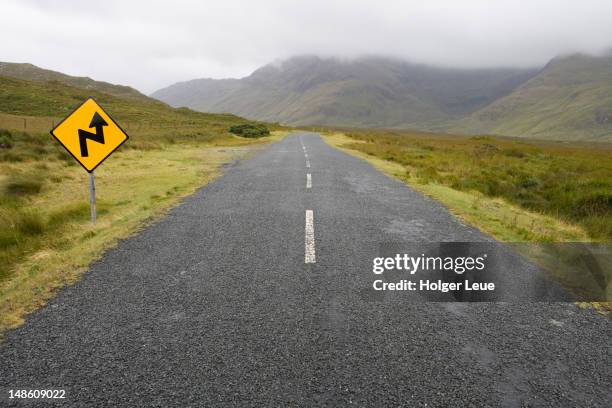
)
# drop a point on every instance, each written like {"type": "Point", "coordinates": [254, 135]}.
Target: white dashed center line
{"type": "Point", "coordinates": [305, 154]}
{"type": "Point", "coordinates": [309, 239]}
{"type": "Point", "coordinates": [309, 250]}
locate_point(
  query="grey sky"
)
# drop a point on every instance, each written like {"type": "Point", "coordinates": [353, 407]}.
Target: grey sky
{"type": "Point", "coordinates": [151, 44]}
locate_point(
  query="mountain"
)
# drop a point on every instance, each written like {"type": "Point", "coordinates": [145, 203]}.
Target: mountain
{"type": "Point", "coordinates": [31, 72]}
{"type": "Point", "coordinates": [365, 92]}
{"type": "Point", "coordinates": [569, 99]}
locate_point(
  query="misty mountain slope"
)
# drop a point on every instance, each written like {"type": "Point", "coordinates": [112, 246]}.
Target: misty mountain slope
{"type": "Point", "coordinates": [368, 92]}
{"type": "Point", "coordinates": [200, 94]}
{"type": "Point", "coordinates": [31, 72]}
{"type": "Point", "coordinates": [571, 99]}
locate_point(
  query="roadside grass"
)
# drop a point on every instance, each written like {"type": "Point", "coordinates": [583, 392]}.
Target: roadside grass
{"type": "Point", "coordinates": [527, 190]}
{"type": "Point", "coordinates": [494, 215]}
{"type": "Point", "coordinates": [46, 238]}
{"type": "Point", "coordinates": [502, 215]}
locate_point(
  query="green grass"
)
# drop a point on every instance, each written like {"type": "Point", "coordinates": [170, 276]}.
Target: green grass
{"type": "Point", "coordinates": [22, 186]}
{"type": "Point", "coordinates": [571, 183]}
{"type": "Point", "coordinates": [493, 214]}
{"type": "Point", "coordinates": [35, 107]}
{"type": "Point", "coordinates": [250, 130]}
{"type": "Point", "coordinates": [33, 73]}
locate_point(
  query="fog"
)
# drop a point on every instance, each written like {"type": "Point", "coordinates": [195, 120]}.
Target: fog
{"type": "Point", "coordinates": [152, 44]}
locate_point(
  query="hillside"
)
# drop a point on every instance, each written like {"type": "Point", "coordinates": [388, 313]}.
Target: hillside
{"type": "Point", "coordinates": [366, 92]}
{"type": "Point", "coordinates": [570, 99]}
{"type": "Point", "coordinates": [33, 73]}
{"type": "Point", "coordinates": [23, 98]}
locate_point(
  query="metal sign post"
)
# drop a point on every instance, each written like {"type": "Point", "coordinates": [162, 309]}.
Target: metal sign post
{"type": "Point", "coordinates": [92, 197]}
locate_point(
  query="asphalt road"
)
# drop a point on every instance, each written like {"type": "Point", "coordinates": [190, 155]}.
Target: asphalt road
{"type": "Point", "coordinates": [233, 300]}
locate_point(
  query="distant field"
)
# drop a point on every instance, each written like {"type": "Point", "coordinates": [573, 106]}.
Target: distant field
{"type": "Point", "coordinates": [565, 189]}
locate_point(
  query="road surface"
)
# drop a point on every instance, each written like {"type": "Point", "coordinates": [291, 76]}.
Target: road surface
{"type": "Point", "coordinates": [254, 292]}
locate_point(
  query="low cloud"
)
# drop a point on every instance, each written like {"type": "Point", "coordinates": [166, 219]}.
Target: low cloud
{"type": "Point", "coordinates": [152, 44]}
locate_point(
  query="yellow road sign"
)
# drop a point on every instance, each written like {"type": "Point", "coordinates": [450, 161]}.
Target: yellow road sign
{"type": "Point", "coordinates": [89, 134]}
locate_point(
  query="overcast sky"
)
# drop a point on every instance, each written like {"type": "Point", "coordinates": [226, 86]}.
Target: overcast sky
{"type": "Point", "coordinates": [152, 44]}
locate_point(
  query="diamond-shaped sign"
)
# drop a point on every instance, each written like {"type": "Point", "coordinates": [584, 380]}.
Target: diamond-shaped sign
{"type": "Point", "coordinates": [89, 134]}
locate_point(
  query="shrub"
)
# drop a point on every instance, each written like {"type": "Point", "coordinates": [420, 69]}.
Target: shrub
{"type": "Point", "coordinates": [75, 212]}
{"type": "Point", "coordinates": [20, 186]}
{"type": "Point", "coordinates": [428, 174]}
{"type": "Point", "coordinates": [30, 223]}
{"type": "Point", "coordinates": [594, 204]}
{"type": "Point", "coordinates": [529, 182]}
{"type": "Point", "coordinates": [6, 139]}
{"type": "Point", "coordinates": [249, 130]}
{"type": "Point", "coordinates": [10, 156]}
{"type": "Point", "coordinates": [7, 239]}
{"type": "Point", "coordinates": [514, 152]}
{"type": "Point", "coordinates": [66, 158]}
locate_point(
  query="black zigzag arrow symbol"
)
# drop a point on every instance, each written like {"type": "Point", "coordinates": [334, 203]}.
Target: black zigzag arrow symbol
{"type": "Point", "coordinates": [96, 122]}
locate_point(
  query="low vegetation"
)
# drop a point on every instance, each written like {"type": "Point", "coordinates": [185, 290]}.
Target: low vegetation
{"type": "Point", "coordinates": [570, 183]}
{"type": "Point", "coordinates": [33, 107]}
{"type": "Point", "coordinates": [6, 139]}
{"type": "Point", "coordinates": [516, 191]}
{"type": "Point", "coordinates": [250, 130]}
